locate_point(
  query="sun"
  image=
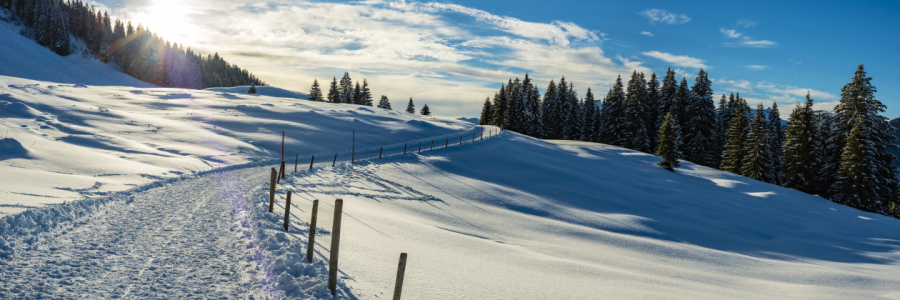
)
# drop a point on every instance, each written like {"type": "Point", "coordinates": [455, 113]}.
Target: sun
{"type": "Point", "coordinates": [169, 19]}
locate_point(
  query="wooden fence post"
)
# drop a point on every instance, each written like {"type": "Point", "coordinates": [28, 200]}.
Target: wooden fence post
{"type": "Point", "coordinates": [272, 190]}
{"type": "Point", "coordinates": [335, 244]}
{"type": "Point", "coordinates": [287, 211]}
{"type": "Point", "coordinates": [404, 149]}
{"type": "Point", "coordinates": [401, 269]}
{"type": "Point", "coordinates": [460, 141]}
{"type": "Point", "coordinates": [281, 171]}
{"type": "Point", "coordinates": [420, 147]}
{"type": "Point", "coordinates": [353, 149]}
{"type": "Point", "coordinates": [432, 144]}
{"type": "Point", "coordinates": [446, 143]}
{"type": "Point", "coordinates": [296, 160]}
{"type": "Point", "coordinates": [312, 231]}
{"type": "Point", "coordinates": [311, 160]}
{"type": "Point", "coordinates": [379, 151]}
{"type": "Point", "coordinates": [335, 160]}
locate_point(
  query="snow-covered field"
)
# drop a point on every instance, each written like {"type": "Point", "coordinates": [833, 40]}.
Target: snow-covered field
{"type": "Point", "coordinates": [113, 188]}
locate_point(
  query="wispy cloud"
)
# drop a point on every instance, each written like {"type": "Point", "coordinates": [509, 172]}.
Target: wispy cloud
{"type": "Point", "coordinates": [731, 33]}
{"type": "Point", "coordinates": [678, 60]}
{"type": "Point", "coordinates": [744, 40]}
{"type": "Point", "coordinates": [736, 85]}
{"type": "Point", "coordinates": [446, 55]}
{"type": "Point", "coordinates": [647, 33]}
{"type": "Point", "coordinates": [756, 67]}
{"type": "Point", "coordinates": [790, 94]}
{"type": "Point", "coordinates": [746, 23]}
{"type": "Point", "coordinates": [662, 16]}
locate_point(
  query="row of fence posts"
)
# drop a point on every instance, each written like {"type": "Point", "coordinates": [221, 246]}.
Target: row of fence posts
{"type": "Point", "coordinates": [338, 206]}
{"type": "Point", "coordinates": [312, 160]}
{"type": "Point", "coordinates": [335, 237]}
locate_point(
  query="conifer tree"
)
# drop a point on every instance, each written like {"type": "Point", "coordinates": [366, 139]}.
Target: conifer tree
{"type": "Point", "coordinates": [776, 141]}
{"type": "Point", "coordinates": [487, 111]}
{"type": "Point", "coordinates": [334, 93]}
{"type": "Point", "coordinates": [757, 161]}
{"type": "Point", "coordinates": [532, 108]}
{"type": "Point", "coordinates": [612, 114]}
{"type": "Point", "coordinates": [357, 95]}
{"type": "Point", "coordinates": [346, 89]}
{"type": "Point", "coordinates": [252, 89]}
{"type": "Point", "coordinates": [857, 182]}
{"type": "Point", "coordinates": [734, 153]}
{"type": "Point", "coordinates": [573, 114]}
{"type": "Point", "coordinates": [701, 133]}
{"type": "Point", "coordinates": [633, 128]}
{"type": "Point", "coordinates": [425, 111]}
{"type": "Point", "coordinates": [828, 157]}
{"type": "Point", "coordinates": [315, 92]}
{"type": "Point", "coordinates": [550, 110]}
{"type": "Point", "coordinates": [682, 100]}
{"type": "Point", "coordinates": [366, 94]}
{"type": "Point", "coordinates": [384, 103]}
{"type": "Point", "coordinates": [866, 177]}
{"type": "Point", "coordinates": [666, 96]}
{"type": "Point", "coordinates": [651, 105]}
{"type": "Point", "coordinates": [590, 126]}
{"type": "Point", "coordinates": [799, 162]}
{"type": "Point", "coordinates": [668, 142]}
{"type": "Point", "coordinates": [499, 107]}
{"type": "Point", "coordinates": [410, 108]}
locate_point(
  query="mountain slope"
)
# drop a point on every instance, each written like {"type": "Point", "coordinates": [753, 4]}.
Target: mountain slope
{"type": "Point", "coordinates": [23, 58]}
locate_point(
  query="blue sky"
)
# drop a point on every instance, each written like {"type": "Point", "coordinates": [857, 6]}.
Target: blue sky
{"type": "Point", "coordinates": [453, 54]}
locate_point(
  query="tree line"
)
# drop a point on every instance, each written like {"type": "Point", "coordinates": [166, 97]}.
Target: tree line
{"type": "Point", "coordinates": [842, 155]}
{"type": "Point", "coordinates": [141, 54]}
{"type": "Point", "coordinates": [345, 92]}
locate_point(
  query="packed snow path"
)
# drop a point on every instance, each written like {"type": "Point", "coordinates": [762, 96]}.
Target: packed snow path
{"type": "Point", "coordinates": [176, 241]}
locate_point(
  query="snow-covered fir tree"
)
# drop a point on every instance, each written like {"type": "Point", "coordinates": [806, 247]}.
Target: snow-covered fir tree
{"type": "Point", "coordinates": [757, 160]}
{"type": "Point", "coordinates": [425, 110]}
{"type": "Point", "coordinates": [252, 89]}
{"type": "Point", "coordinates": [550, 109]}
{"type": "Point", "coordinates": [612, 113]}
{"type": "Point", "coordinates": [800, 164]}
{"type": "Point", "coordinates": [866, 177]}
{"type": "Point", "coordinates": [734, 153]}
{"type": "Point", "coordinates": [666, 96]}
{"type": "Point", "coordinates": [346, 89]}
{"type": "Point", "coordinates": [589, 122]}
{"type": "Point", "coordinates": [573, 125]}
{"type": "Point", "coordinates": [651, 105]}
{"type": "Point", "coordinates": [702, 133]}
{"type": "Point", "coordinates": [633, 128]}
{"type": "Point", "coordinates": [682, 100]}
{"type": "Point", "coordinates": [384, 103]}
{"type": "Point", "coordinates": [356, 98]}
{"type": "Point", "coordinates": [776, 141]}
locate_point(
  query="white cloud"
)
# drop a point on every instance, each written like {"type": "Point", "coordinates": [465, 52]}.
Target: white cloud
{"type": "Point", "coordinates": [744, 40]}
{"type": "Point", "coordinates": [791, 94]}
{"type": "Point", "coordinates": [404, 49]}
{"type": "Point", "coordinates": [647, 33]}
{"type": "Point", "coordinates": [662, 16]}
{"type": "Point", "coordinates": [757, 43]}
{"type": "Point", "coordinates": [746, 23]}
{"type": "Point", "coordinates": [731, 33]}
{"type": "Point", "coordinates": [738, 85]}
{"type": "Point", "coordinates": [678, 60]}
{"type": "Point", "coordinates": [756, 67]}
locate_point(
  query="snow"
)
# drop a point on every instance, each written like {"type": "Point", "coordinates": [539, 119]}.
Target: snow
{"type": "Point", "coordinates": [112, 187]}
